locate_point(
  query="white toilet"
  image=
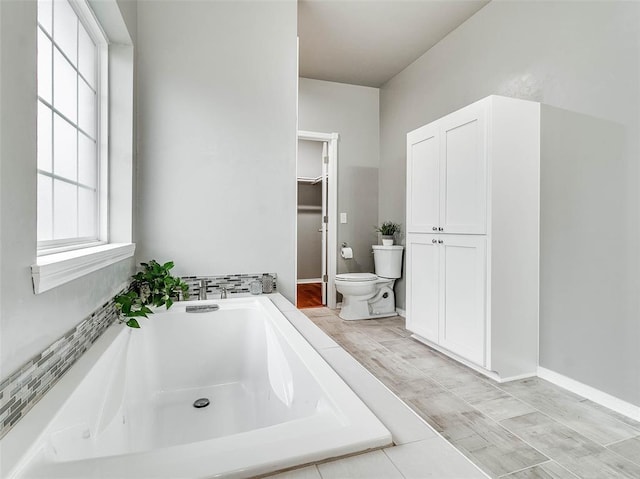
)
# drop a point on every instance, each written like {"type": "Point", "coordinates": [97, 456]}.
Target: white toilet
{"type": "Point", "coordinates": [368, 295]}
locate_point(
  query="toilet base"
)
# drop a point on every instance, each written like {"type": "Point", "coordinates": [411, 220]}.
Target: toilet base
{"type": "Point", "coordinates": [373, 316]}
{"type": "Point", "coordinates": [382, 305]}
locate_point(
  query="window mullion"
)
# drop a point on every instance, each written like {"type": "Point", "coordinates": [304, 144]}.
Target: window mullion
{"type": "Point", "coordinates": [53, 133]}
{"type": "Point", "coordinates": [66, 180]}
{"type": "Point", "coordinates": [65, 118]}
{"type": "Point", "coordinates": [53, 195]}
{"type": "Point", "coordinates": [77, 69]}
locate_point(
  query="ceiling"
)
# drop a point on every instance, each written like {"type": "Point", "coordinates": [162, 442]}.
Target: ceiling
{"type": "Point", "coordinates": [367, 42]}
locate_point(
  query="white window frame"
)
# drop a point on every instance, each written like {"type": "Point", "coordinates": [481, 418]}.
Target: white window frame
{"type": "Point", "coordinates": [61, 264]}
{"type": "Point", "coordinates": [92, 26]}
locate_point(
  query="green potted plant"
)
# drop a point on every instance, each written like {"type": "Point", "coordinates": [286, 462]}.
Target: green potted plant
{"type": "Point", "coordinates": [153, 286]}
{"type": "Point", "coordinates": [388, 229]}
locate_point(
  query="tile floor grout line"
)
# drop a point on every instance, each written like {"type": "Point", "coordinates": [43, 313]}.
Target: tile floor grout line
{"type": "Point", "coordinates": [551, 461]}
{"type": "Point", "coordinates": [621, 440]}
{"type": "Point", "coordinates": [393, 463]}
{"type": "Point", "coordinates": [637, 463]}
{"type": "Point", "coordinates": [567, 469]}
{"type": "Point", "coordinates": [525, 468]}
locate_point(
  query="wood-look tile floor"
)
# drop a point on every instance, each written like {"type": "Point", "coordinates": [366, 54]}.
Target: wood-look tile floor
{"type": "Point", "coordinates": [526, 429]}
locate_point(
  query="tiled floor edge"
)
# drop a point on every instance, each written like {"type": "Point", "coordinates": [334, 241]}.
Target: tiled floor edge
{"type": "Point", "coordinates": [316, 463]}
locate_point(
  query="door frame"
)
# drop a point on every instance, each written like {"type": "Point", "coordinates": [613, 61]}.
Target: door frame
{"type": "Point", "coordinates": [332, 210]}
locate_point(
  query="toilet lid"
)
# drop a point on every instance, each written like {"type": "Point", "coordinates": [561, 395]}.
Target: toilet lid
{"type": "Point", "coordinates": [357, 277]}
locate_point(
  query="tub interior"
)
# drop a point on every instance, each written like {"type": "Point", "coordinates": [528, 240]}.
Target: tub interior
{"type": "Point", "coordinates": [151, 377]}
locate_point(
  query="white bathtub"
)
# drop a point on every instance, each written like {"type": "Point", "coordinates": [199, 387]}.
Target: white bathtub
{"type": "Point", "coordinates": [274, 402]}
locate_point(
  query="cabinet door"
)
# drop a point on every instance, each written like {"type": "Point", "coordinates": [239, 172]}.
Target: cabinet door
{"type": "Point", "coordinates": [463, 291]}
{"type": "Point", "coordinates": [423, 285]}
{"type": "Point", "coordinates": [423, 187]}
{"type": "Point", "coordinates": [463, 170]}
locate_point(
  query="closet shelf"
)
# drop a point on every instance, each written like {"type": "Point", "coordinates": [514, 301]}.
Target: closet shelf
{"type": "Point", "coordinates": [312, 181]}
{"type": "Point", "coordinates": [309, 208]}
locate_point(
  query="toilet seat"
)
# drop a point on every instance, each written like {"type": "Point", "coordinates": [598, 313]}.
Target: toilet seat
{"type": "Point", "coordinates": [360, 277]}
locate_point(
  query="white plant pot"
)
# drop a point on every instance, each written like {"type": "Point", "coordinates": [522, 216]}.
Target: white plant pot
{"type": "Point", "coordinates": [387, 241]}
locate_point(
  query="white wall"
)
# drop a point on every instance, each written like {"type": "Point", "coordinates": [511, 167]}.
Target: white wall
{"type": "Point", "coordinates": [217, 136]}
{"type": "Point", "coordinates": [582, 57]}
{"type": "Point", "coordinates": [29, 322]}
{"type": "Point", "coordinates": [353, 112]}
{"type": "Point", "coordinates": [309, 158]}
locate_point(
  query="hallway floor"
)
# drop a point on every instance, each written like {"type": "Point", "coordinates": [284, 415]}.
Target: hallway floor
{"type": "Point", "coordinates": [526, 429]}
{"type": "Point", "coordinates": [309, 295]}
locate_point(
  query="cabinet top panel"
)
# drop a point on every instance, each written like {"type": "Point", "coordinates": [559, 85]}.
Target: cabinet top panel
{"type": "Point", "coordinates": [488, 100]}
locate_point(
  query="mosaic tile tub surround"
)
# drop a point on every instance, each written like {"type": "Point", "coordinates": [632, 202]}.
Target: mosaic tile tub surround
{"type": "Point", "coordinates": [22, 389]}
{"type": "Point", "coordinates": [234, 283]}
{"type": "Point", "coordinates": [25, 386]}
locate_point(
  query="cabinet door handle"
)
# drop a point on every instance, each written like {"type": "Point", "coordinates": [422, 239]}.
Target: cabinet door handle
{"type": "Point", "coordinates": [435, 228]}
{"type": "Point", "coordinates": [440, 241]}
{"type": "Point", "coordinates": [440, 228]}
{"type": "Point", "coordinates": [434, 241]}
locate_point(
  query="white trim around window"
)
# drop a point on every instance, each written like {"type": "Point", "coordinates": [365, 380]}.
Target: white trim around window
{"type": "Point", "coordinates": [56, 269]}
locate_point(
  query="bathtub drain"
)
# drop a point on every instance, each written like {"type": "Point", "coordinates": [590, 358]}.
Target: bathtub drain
{"type": "Point", "coordinates": [202, 402]}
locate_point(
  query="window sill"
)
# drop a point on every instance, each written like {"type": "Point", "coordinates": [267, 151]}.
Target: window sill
{"type": "Point", "coordinates": [60, 268]}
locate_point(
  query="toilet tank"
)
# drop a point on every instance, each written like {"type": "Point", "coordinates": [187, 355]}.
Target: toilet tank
{"type": "Point", "coordinates": [388, 261]}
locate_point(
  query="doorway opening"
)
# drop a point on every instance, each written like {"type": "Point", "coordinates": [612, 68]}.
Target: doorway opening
{"type": "Point", "coordinates": [316, 251]}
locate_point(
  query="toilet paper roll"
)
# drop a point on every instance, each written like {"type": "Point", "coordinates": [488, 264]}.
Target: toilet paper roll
{"type": "Point", "coordinates": [346, 253]}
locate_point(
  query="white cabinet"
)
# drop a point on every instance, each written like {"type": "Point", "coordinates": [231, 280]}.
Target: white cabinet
{"type": "Point", "coordinates": [423, 285]}
{"type": "Point", "coordinates": [423, 180]}
{"type": "Point", "coordinates": [446, 291]}
{"type": "Point", "coordinates": [462, 311]}
{"type": "Point", "coordinates": [446, 173]}
{"type": "Point", "coordinates": [473, 182]}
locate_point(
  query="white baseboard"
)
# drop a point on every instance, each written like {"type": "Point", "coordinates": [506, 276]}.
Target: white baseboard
{"type": "Point", "coordinates": [595, 395]}
{"type": "Point", "coordinates": [309, 281]}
